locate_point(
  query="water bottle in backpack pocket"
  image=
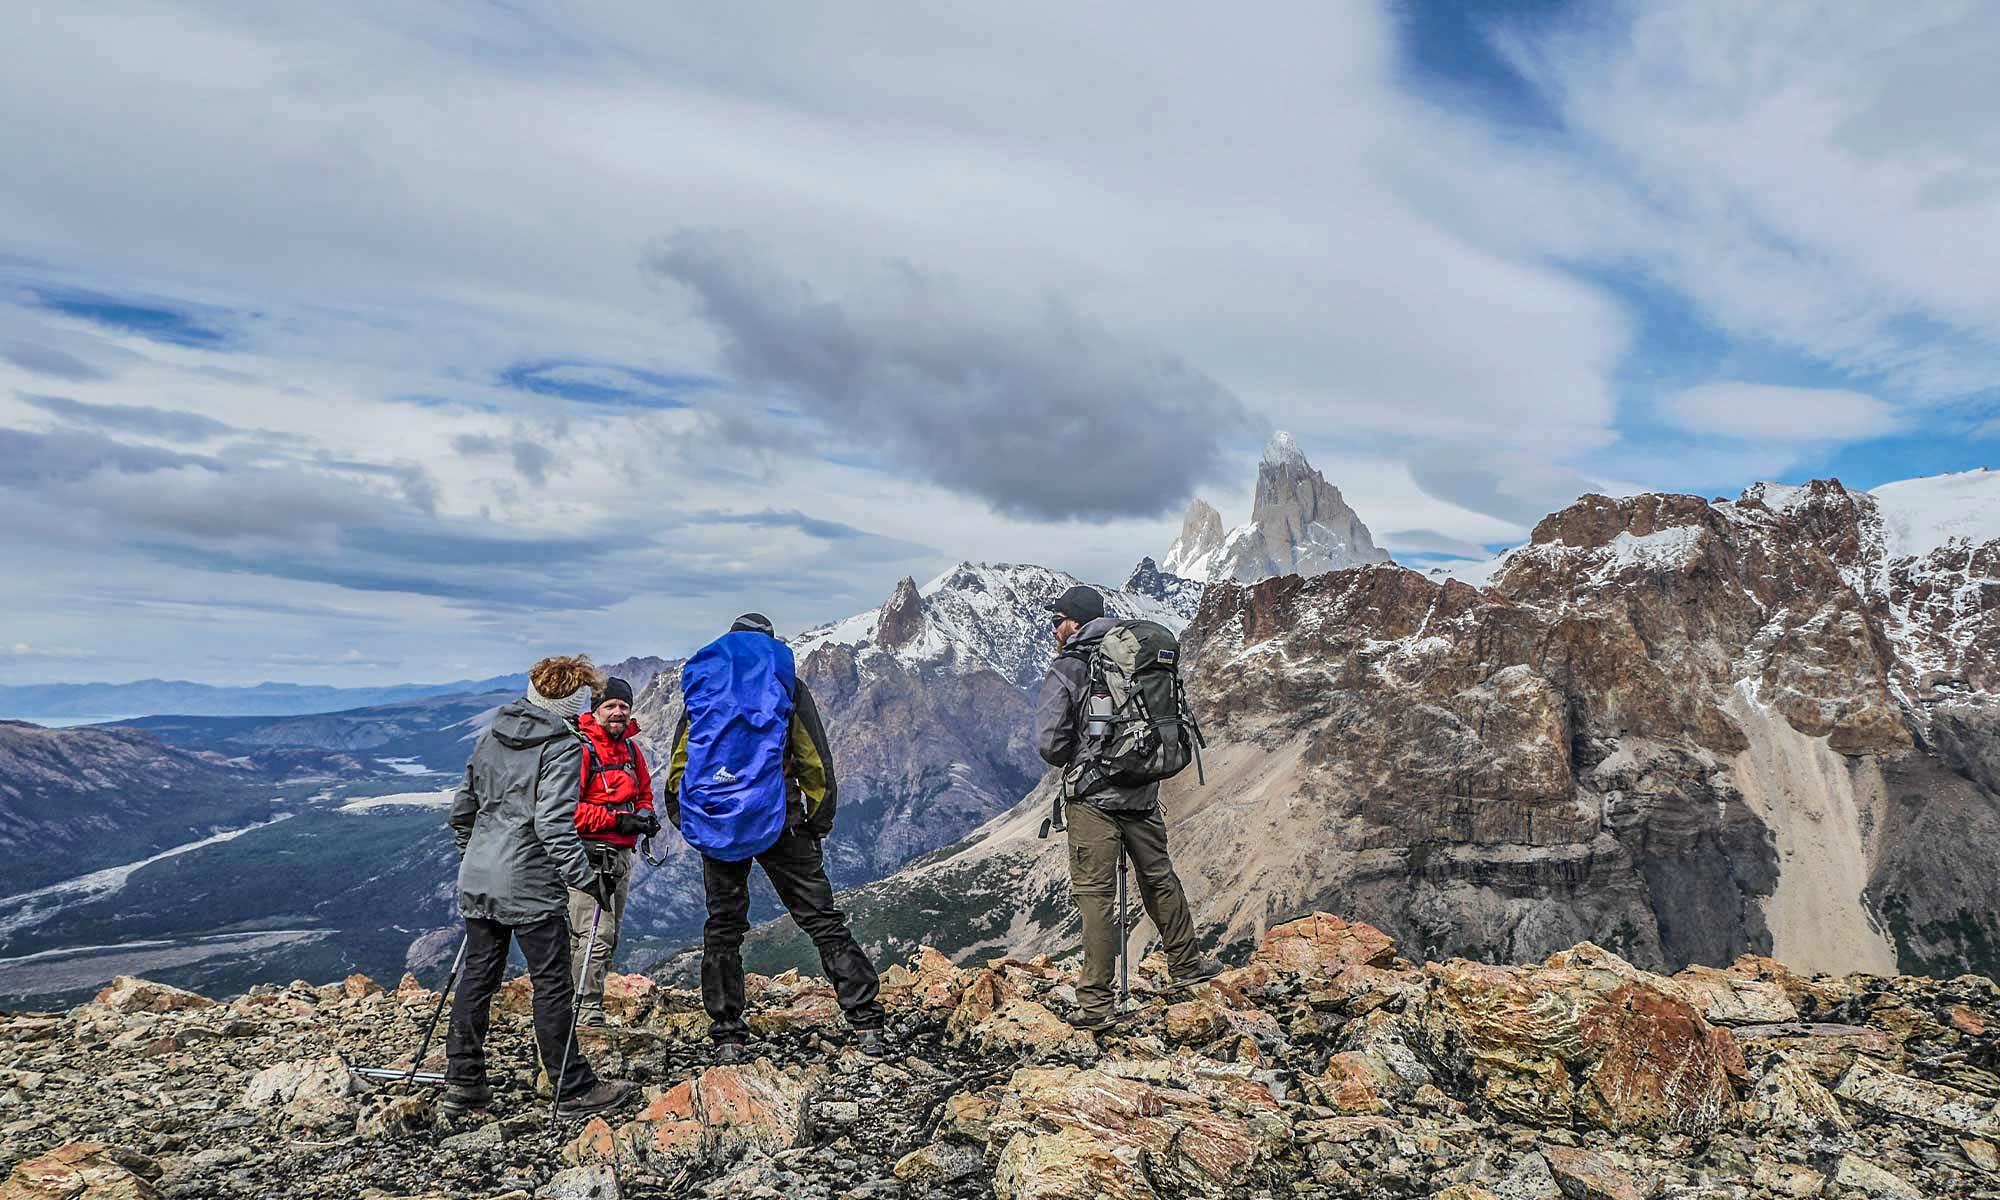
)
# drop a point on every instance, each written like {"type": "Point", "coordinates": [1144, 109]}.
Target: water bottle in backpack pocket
{"type": "Point", "coordinates": [1136, 725]}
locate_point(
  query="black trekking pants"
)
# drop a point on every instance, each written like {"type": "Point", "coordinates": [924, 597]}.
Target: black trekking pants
{"type": "Point", "coordinates": [545, 945]}
{"type": "Point", "coordinates": [798, 872]}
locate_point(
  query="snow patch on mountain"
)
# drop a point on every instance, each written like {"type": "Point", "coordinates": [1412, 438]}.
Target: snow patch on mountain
{"type": "Point", "coordinates": [983, 615]}
{"type": "Point", "coordinates": [1922, 515]}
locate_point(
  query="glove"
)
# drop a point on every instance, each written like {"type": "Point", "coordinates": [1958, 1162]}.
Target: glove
{"type": "Point", "coordinates": [640, 824]}
{"type": "Point", "coordinates": [605, 889]}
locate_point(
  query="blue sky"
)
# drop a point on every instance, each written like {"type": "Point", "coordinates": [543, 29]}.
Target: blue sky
{"type": "Point", "coordinates": [409, 340]}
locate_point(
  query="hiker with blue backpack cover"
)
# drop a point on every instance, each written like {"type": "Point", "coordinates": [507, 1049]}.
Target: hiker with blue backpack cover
{"type": "Point", "coordinates": [751, 781]}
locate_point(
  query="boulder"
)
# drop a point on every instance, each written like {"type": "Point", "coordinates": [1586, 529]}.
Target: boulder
{"type": "Point", "coordinates": [1024, 1027]}
{"type": "Point", "coordinates": [1068, 1164]}
{"type": "Point", "coordinates": [940, 1162]}
{"type": "Point", "coordinates": [395, 1116]}
{"type": "Point", "coordinates": [1202, 1145]}
{"type": "Point", "coordinates": [1318, 946]}
{"type": "Point", "coordinates": [1789, 1099]}
{"type": "Point", "coordinates": [1886, 1092]}
{"type": "Point", "coordinates": [629, 997]}
{"type": "Point", "coordinates": [1584, 1037]}
{"type": "Point", "coordinates": [1857, 1173]}
{"type": "Point", "coordinates": [593, 1181]}
{"type": "Point", "coordinates": [129, 994]}
{"type": "Point", "coordinates": [717, 1115]}
{"type": "Point", "coordinates": [308, 1094]}
{"type": "Point", "coordinates": [1586, 1175]}
{"type": "Point", "coordinates": [1730, 998]}
{"type": "Point", "coordinates": [83, 1171]}
{"type": "Point", "coordinates": [359, 987]}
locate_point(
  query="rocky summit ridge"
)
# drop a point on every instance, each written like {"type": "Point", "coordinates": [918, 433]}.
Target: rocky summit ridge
{"type": "Point", "coordinates": [1299, 525]}
{"type": "Point", "coordinates": [1327, 1065]}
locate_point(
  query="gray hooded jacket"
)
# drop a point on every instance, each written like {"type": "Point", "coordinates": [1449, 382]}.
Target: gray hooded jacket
{"type": "Point", "coordinates": [515, 819]}
{"type": "Point", "coordinates": [1057, 733]}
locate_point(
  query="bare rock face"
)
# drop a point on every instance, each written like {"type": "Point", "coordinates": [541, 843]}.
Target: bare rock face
{"type": "Point", "coordinates": [1201, 536]}
{"type": "Point", "coordinates": [1299, 525]}
{"type": "Point", "coordinates": [901, 620]}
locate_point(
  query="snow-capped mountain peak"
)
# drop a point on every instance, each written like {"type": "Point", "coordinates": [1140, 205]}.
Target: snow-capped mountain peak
{"type": "Point", "coordinates": [1299, 525]}
{"type": "Point", "coordinates": [980, 615]}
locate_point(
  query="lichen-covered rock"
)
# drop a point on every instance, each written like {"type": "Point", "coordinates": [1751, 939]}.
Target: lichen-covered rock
{"type": "Point", "coordinates": [1206, 1144]}
{"type": "Point", "coordinates": [629, 997]}
{"type": "Point", "coordinates": [1320, 945]}
{"type": "Point", "coordinates": [306, 1094]}
{"type": "Point", "coordinates": [716, 1115]}
{"type": "Point", "coordinates": [1069, 1164]}
{"type": "Point", "coordinates": [83, 1171]}
{"type": "Point", "coordinates": [128, 994]}
{"type": "Point", "coordinates": [1586, 1038]}
{"type": "Point", "coordinates": [1899, 1095]}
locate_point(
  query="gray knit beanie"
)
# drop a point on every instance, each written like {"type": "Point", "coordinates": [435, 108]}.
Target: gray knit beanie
{"type": "Point", "coordinates": [567, 707]}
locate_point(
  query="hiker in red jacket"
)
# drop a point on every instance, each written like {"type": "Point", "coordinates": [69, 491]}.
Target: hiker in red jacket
{"type": "Point", "coordinates": [614, 812]}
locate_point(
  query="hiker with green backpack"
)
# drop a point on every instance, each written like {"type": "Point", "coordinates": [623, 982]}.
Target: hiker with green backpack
{"type": "Point", "coordinates": [1114, 717]}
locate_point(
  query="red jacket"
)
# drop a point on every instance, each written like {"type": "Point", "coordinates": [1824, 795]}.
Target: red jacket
{"type": "Point", "coordinates": [615, 780]}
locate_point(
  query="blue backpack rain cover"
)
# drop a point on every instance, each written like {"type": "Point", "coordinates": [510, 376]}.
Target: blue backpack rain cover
{"type": "Point", "coordinates": [739, 712]}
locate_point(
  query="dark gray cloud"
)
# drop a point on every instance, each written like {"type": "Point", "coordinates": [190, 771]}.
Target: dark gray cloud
{"type": "Point", "coordinates": [47, 360]}
{"type": "Point", "coordinates": [1051, 417]}
{"type": "Point", "coordinates": [144, 420]}
{"type": "Point", "coordinates": [30, 459]}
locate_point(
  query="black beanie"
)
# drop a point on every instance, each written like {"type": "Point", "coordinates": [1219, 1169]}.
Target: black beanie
{"type": "Point", "coordinates": [753, 623]}
{"type": "Point", "coordinates": [614, 689]}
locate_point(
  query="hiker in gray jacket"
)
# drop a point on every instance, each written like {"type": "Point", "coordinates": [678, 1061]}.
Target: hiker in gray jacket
{"type": "Point", "coordinates": [514, 821]}
{"type": "Point", "coordinates": [1105, 819]}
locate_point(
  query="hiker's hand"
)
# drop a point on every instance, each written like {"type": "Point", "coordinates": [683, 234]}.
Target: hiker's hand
{"type": "Point", "coordinates": [641, 823]}
{"type": "Point", "coordinates": [605, 891]}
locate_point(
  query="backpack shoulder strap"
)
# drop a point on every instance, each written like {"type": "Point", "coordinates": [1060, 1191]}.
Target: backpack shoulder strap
{"type": "Point", "coordinates": [589, 762]}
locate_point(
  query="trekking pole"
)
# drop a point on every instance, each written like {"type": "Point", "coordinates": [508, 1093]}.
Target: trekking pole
{"type": "Point", "coordinates": [430, 1031]}
{"type": "Point", "coordinates": [575, 1011]}
{"type": "Point", "coordinates": [1124, 937]}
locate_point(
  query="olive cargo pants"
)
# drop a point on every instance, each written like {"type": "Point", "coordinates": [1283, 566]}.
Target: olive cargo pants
{"type": "Point", "coordinates": [1094, 838]}
{"type": "Point", "coordinates": [617, 863]}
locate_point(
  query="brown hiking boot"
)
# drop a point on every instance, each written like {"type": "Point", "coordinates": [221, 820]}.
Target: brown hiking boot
{"type": "Point", "coordinates": [609, 1093]}
{"type": "Point", "coordinates": [1103, 1022]}
{"type": "Point", "coordinates": [1204, 971]}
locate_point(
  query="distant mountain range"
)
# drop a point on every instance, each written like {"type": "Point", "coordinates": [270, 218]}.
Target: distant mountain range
{"type": "Point", "coordinates": [183, 699]}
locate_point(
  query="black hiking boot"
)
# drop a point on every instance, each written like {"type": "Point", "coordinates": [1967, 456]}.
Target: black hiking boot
{"type": "Point", "coordinates": [462, 1098]}
{"type": "Point", "coordinates": [730, 1054]}
{"type": "Point", "coordinates": [872, 1042]}
{"type": "Point", "coordinates": [609, 1093]}
{"type": "Point", "coordinates": [1204, 971]}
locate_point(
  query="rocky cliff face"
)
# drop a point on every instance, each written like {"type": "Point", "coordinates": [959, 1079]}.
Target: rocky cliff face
{"type": "Point", "coordinates": [1683, 730]}
{"type": "Point", "coordinates": [1299, 525]}
{"type": "Point", "coordinates": [1328, 1065]}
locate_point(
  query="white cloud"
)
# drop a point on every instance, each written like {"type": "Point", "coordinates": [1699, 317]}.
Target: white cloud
{"type": "Point", "coordinates": [1768, 412]}
{"type": "Point", "coordinates": [1823, 178]}
{"type": "Point", "coordinates": [409, 202]}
